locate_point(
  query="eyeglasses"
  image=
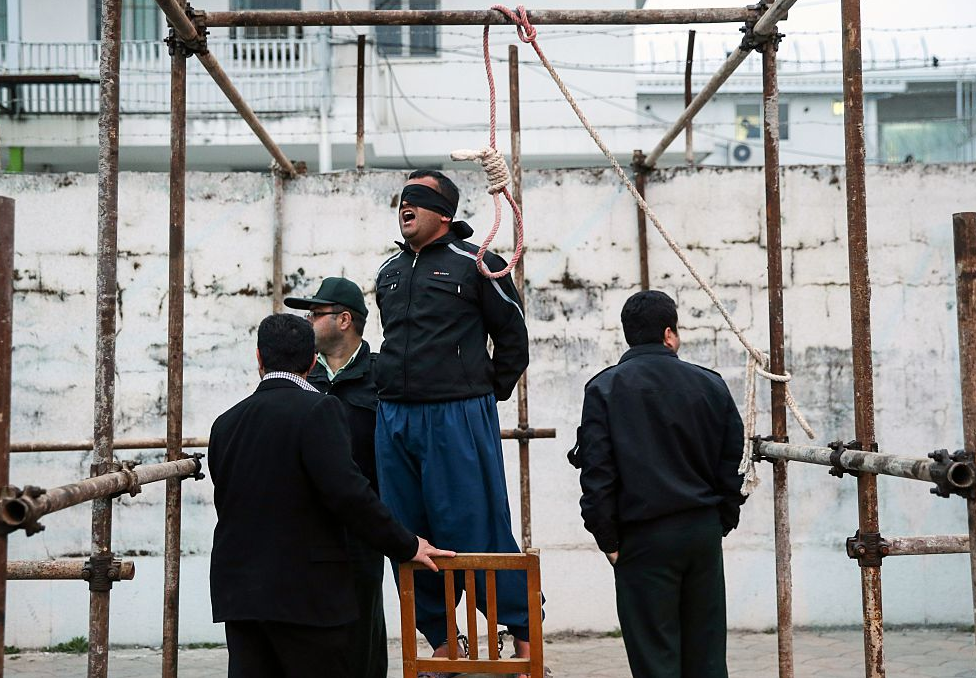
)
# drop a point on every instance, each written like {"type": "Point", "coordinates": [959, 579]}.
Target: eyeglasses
{"type": "Point", "coordinates": [316, 315]}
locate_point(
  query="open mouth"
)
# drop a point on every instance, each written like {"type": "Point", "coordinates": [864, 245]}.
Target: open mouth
{"type": "Point", "coordinates": [407, 216]}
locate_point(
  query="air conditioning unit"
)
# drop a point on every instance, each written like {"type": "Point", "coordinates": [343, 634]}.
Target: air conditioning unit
{"type": "Point", "coordinates": [740, 155]}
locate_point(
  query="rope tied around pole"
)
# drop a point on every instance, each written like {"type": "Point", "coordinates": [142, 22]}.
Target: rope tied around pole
{"type": "Point", "coordinates": [758, 362]}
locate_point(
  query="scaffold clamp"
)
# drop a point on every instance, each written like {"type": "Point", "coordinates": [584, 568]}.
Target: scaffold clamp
{"type": "Point", "coordinates": [187, 48]}
{"type": "Point", "coordinates": [9, 493]}
{"type": "Point", "coordinates": [100, 571]}
{"type": "Point", "coordinates": [953, 474]}
{"type": "Point", "coordinates": [868, 548]}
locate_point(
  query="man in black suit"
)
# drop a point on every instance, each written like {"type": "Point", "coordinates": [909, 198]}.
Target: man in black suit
{"type": "Point", "coordinates": [659, 447]}
{"type": "Point", "coordinates": [286, 491]}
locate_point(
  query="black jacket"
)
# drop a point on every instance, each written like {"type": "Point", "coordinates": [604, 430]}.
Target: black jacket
{"type": "Point", "coordinates": [658, 436]}
{"type": "Point", "coordinates": [438, 312]}
{"type": "Point", "coordinates": [355, 386]}
{"type": "Point", "coordinates": [286, 489]}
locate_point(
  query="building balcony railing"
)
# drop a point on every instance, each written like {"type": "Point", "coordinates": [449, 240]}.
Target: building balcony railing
{"type": "Point", "coordinates": [274, 75]}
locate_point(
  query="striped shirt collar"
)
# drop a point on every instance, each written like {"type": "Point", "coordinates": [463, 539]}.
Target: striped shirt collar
{"type": "Point", "coordinates": [292, 377]}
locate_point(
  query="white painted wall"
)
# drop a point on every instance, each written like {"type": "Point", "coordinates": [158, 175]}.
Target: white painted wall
{"type": "Point", "coordinates": [581, 266]}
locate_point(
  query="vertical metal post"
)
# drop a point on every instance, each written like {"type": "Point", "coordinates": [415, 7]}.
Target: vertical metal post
{"type": "Point", "coordinates": [360, 102]}
{"type": "Point", "coordinates": [689, 63]}
{"type": "Point", "coordinates": [174, 361]}
{"type": "Point", "coordinates": [105, 309]}
{"type": "Point", "coordinates": [523, 383]}
{"type": "Point", "coordinates": [640, 173]}
{"type": "Point", "coordinates": [277, 250]}
{"type": "Point", "coordinates": [857, 235]}
{"type": "Point", "coordinates": [964, 239]}
{"type": "Point", "coordinates": [774, 259]}
{"type": "Point", "coordinates": [6, 356]}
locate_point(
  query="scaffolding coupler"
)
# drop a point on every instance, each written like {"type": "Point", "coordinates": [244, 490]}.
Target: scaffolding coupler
{"type": "Point", "coordinates": [757, 441]}
{"type": "Point", "coordinates": [7, 495]}
{"type": "Point", "coordinates": [953, 473]}
{"type": "Point", "coordinates": [100, 571]}
{"type": "Point", "coordinates": [187, 48]}
{"type": "Point", "coordinates": [127, 467]}
{"type": "Point", "coordinates": [868, 548]}
{"type": "Point", "coordinates": [751, 40]}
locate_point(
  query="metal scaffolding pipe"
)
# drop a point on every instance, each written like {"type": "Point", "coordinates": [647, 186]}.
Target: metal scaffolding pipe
{"type": "Point", "coordinates": [106, 285]}
{"type": "Point", "coordinates": [640, 183]}
{"type": "Point", "coordinates": [360, 102]}
{"type": "Point", "coordinates": [188, 32]}
{"type": "Point", "coordinates": [964, 247]}
{"type": "Point", "coordinates": [928, 544]}
{"type": "Point", "coordinates": [514, 112]}
{"type": "Point", "coordinates": [774, 267]}
{"type": "Point", "coordinates": [277, 246]}
{"type": "Point", "coordinates": [958, 474]}
{"type": "Point", "coordinates": [6, 356]}
{"type": "Point", "coordinates": [199, 442]}
{"type": "Point", "coordinates": [26, 508]}
{"type": "Point", "coordinates": [689, 64]}
{"type": "Point", "coordinates": [860, 294]}
{"type": "Point", "coordinates": [174, 361]}
{"type": "Point", "coordinates": [59, 570]}
{"type": "Point", "coordinates": [765, 28]}
{"type": "Point", "coordinates": [119, 444]}
{"type": "Point", "coordinates": [475, 17]}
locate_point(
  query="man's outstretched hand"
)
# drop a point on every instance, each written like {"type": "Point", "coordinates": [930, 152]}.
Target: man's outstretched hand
{"type": "Point", "coordinates": [425, 551]}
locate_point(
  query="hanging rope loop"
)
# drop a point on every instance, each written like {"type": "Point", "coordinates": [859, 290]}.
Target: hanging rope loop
{"type": "Point", "coordinates": [493, 163]}
{"type": "Point", "coordinates": [526, 31]}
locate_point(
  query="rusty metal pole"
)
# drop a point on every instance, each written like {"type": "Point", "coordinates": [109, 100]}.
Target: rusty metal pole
{"type": "Point", "coordinates": [174, 363]}
{"type": "Point", "coordinates": [640, 174]}
{"type": "Point", "coordinates": [525, 493]}
{"type": "Point", "coordinates": [964, 239]}
{"type": "Point", "coordinates": [105, 308]}
{"type": "Point", "coordinates": [6, 360]}
{"type": "Point", "coordinates": [860, 291]}
{"type": "Point", "coordinates": [360, 102]}
{"type": "Point", "coordinates": [277, 249]}
{"type": "Point", "coordinates": [689, 63]}
{"type": "Point", "coordinates": [774, 265]}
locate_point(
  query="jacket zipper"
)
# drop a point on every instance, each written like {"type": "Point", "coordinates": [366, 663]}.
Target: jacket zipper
{"type": "Point", "coordinates": [406, 345]}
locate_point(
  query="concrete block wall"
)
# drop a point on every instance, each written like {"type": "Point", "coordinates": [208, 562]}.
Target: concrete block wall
{"type": "Point", "coordinates": [581, 265]}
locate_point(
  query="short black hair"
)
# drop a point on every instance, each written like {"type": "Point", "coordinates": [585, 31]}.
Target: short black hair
{"type": "Point", "coordinates": [445, 186]}
{"type": "Point", "coordinates": [286, 343]}
{"type": "Point", "coordinates": [646, 315]}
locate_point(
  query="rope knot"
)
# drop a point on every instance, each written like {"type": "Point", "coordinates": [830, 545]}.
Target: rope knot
{"type": "Point", "coordinates": [493, 163]}
{"type": "Point", "coordinates": [526, 31]}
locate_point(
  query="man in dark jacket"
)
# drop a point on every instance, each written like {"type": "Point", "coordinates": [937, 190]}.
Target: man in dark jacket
{"type": "Point", "coordinates": [286, 491]}
{"type": "Point", "coordinates": [344, 369]}
{"type": "Point", "coordinates": [438, 446]}
{"type": "Point", "coordinates": [659, 448]}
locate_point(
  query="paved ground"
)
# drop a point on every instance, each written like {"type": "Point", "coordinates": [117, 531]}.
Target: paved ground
{"type": "Point", "coordinates": [916, 652]}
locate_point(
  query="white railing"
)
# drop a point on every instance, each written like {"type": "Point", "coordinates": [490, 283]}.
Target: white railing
{"type": "Point", "coordinates": [279, 75]}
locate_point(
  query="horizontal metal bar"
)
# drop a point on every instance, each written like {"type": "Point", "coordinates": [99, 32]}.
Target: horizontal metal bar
{"type": "Point", "coordinates": [83, 445]}
{"type": "Point", "coordinates": [58, 570]}
{"type": "Point", "coordinates": [957, 473]}
{"type": "Point", "coordinates": [476, 17]}
{"type": "Point", "coordinates": [502, 666]}
{"type": "Point", "coordinates": [928, 544]}
{"type": "Point", "coordinates": [22, 510]}
{"type": "Point", "coordinates": [200, 442]}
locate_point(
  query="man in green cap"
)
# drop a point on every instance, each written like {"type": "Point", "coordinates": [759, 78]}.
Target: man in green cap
{"type": "Point", "coordinates": [344, 369]}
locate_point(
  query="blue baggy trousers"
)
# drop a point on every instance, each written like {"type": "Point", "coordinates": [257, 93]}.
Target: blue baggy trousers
{"type": "Point", "coordinates": [441, 474]}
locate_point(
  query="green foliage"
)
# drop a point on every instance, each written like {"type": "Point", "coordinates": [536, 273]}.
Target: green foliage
{"type": "Point", "coordinates": [74, 645]}
{"type": "Point", "coordinates": [615, 633]}
{"type": "Point", "coordinates": [203, 644]}
{"type": "Point", "coordinates": [11, 650]}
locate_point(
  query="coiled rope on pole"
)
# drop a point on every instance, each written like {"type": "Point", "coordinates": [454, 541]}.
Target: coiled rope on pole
{"type": "Point", "coordinates": [498, 178]}
{"type": "Point", "coordinates": [758, 361]}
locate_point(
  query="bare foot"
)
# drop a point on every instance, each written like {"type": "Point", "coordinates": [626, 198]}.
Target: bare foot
{"type": "Point", "coordinates": [441, 651]}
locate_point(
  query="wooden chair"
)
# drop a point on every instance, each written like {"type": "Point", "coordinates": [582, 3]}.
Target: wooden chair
{"type": "Point", "coordinates": [469, 563]}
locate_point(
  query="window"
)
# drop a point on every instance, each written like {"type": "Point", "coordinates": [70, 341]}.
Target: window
{"type": "Point", "coordinates": [265, 32]}
{"type": "Point", "coordinates": [837, 107]}
{"type": "Point", "coordinates": [748, 122]}
{"type": "Point", "coordinates": [3, 20]}
{"type": "Point", "coordinates": [407, 41]}
{"type": "Point", "coordinates": [141, 20]}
